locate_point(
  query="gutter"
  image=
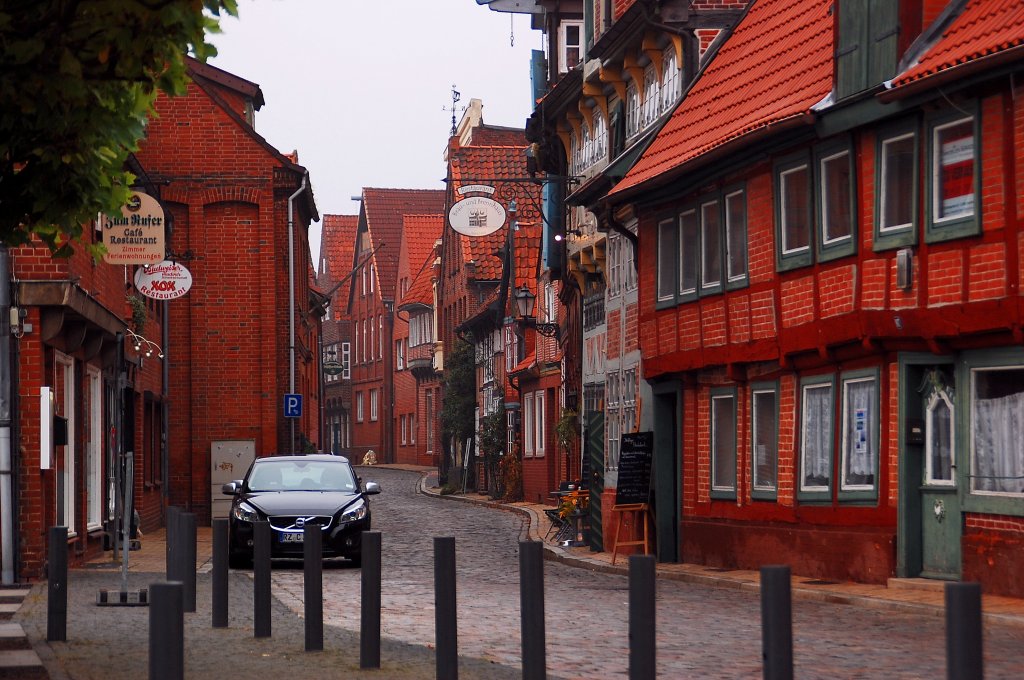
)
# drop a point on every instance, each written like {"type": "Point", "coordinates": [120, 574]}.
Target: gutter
{"type": "Point", "coordinates": [7, 509]}
{"type": "Point", "coordinates": [291, 296]}
{"type": "Point", "coordinates": [953, 74]}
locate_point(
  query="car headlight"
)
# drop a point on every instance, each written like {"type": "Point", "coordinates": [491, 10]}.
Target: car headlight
{"type": "Point", "coordinates": [245, 513]}
{"type": "Point", "coordinates": [354, 513]}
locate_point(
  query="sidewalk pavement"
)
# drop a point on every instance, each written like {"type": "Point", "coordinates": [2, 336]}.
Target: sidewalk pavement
{"type": "Point", "coordinates": [908, 595]}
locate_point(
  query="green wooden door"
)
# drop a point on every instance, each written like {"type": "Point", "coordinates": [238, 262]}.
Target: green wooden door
{"type": "Point", "coordinates": [665, 478]}
{"type": "Point", "coordinates": [594, 444]}
{"type": "Point", "coordinates": [941, 521]}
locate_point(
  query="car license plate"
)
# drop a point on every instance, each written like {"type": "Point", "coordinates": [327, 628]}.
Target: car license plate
{"type": "Point", "coordinates": [291, 538]}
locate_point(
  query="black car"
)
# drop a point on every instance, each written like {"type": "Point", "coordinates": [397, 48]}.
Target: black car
{"type": "Point", "coordinates": [291, 492]}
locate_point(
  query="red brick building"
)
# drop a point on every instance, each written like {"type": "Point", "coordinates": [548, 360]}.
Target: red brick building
{"type": "Point", "coordinates": [371, 307]}
{"type": "Point", "coordinates": [335, 279]}
{"type": "Point", "coordinates": [248, 332]}
{"type": "Point", "coordinates": [72, 349]}
{"type": "Point", "coordinates": [829, 294]}
{"type": "Point", "coordinates": [416, 381]}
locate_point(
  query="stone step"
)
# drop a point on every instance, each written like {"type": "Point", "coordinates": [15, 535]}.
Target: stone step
{"type": "Point", "coordinates": [21, 663]}
{"type": "Point", "coordinates": [13, 594]}
{"type": "Point", "coordinates": [9, 607]}
{"type": "Point", "coordinates": [928, 584]}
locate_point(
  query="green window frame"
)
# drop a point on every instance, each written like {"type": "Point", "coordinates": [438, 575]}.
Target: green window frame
{"type": "Point", "coordinates": [860, 412]}
{"type": "Point", "coordinates": [817, 415]}
{"type": "Point", "coordinates": [897, 150]}
{"type": "Point", "coordinates": [764, 441]}
{"type": "Point", "coordinates": [734, 213]}
{"type": "Point", "coordinates": [703, 249]}
{"type": "Point", "coordinates": [668, 248]}
{"type": "Point", "coordinates": [988, 484]}
{"type": "Point", "coordinates": [689, 254]}
{"type": "Point", "coordinates": [835, 201]}
{"type": "Point", "coordinates": [722, 421]}
{"type": "Point", "coordinates": [794, 221]}
{"type": "Point", "coordinates": [953, 166]}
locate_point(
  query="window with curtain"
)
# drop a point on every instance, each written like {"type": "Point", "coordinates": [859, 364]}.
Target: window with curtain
{"type": "Point", "coordinates": [939, 433]}
{"type": "Point", "coordinates": [997, 431]}
{"type": "Point", "coordinates": [816, 437]}
{"type": "Point", "coordinates": [860, 421]}
{"type": "Point", "coordinates": [539, 416]}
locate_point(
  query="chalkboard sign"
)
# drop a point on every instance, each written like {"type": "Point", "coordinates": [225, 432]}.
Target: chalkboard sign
{"type": "Point", "coordinates": [635, 468]}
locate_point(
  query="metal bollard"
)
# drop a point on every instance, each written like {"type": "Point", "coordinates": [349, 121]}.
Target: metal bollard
{"type": "Point", "coordinates": [369, 621]}
{"type": "Point", "coordinates": [641, 617]}
{"type": "Point", "coordinates": [531, 605]}
{"type": "Point", "coordinates": [313, 585]}
{"type": "Point", "coordinates": [187, 557]}
{"type": "Point", "coordinates": [167, 631]}
{"type": "Point", "coordinates": [220, 573]}
{"type": "Point", "coordinates": [171, 538]}
{"type": "Point", "coordinates": [57, 588]}
{"type": "Point", "coordinates": [445, 623]}
{"type": "Point", "coordinates": [261, 579]}
{"type": "Point", "coordinates": [776, 623]}
{"type": "Point", "coordinates": [965, 659]}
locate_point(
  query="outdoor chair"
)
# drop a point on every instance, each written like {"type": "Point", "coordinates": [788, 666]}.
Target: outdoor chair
{"type": "Point", "coordinates": [557, 523]}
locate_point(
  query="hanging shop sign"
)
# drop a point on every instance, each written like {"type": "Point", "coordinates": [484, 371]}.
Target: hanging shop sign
{"type": "Point", "coordinates": [164, 281]}
{"type": "Point", "coordinates": [333, 368]}
{"type": "Point", "coordinates": [476, 216]}
{"type": "Point", "coordinates": [136, 236]}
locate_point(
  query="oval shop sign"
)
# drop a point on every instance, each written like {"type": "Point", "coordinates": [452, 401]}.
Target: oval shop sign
{"type": "Point", "coordinates": [164, 281]}
{"type": "Point", "coordinates": [477, 216]}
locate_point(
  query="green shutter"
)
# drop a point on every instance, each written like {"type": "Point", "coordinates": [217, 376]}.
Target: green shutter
{"type": "Point", "coordinates": [884, 32]}
{"type": "Point", "coordinates": [851, 55]}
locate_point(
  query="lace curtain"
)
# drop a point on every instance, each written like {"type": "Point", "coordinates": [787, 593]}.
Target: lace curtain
{"type": "Point", "coordinates": [999, 444]}
{"type": "Point", "coordinates": [816, 436]}
{"type": "Point", "coordinates": [859, 457]}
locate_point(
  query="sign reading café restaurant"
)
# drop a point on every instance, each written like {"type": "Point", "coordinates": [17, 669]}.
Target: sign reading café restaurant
{"type": "Point", "coordinates": [136, 236]}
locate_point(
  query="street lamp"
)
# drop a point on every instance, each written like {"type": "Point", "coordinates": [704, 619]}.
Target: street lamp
{"type": "Point", "coordinates": [525, 301]}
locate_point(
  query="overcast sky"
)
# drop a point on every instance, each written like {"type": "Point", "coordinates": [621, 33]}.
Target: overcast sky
{"type": "Point", "coordinates": [360, 89]}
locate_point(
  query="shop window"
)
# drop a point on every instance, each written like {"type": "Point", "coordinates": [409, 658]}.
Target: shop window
{"type": "Point", "coordinates": [997, 431]}
{"type": "Point", "coordinates": [953, 178]}
{"type": "Point", "coordinates": [764, 425]}
{"type": "Point", "coordinates": [723, 443]}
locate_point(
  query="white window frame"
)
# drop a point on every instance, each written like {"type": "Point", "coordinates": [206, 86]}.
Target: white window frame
{"type": "Point", "coordinates": [399, 356]}
{"type": "Point", "coordinates": [973, 463]}
{"type": "Point", "coordinates": [539, 421]}
{"type": "Point", "coordinates": [404, 428]}
{"type": "Point", "coordinates": [667, 243]}
{"type": "Point", "coordinates": [346, 361]}
{"type": "Point", "coordinates": [671, 78]}
{"type": "Point", "coordinates": [709, 254]}
{"type": "Point", "coordinates": [563, 45]}
{"type": "Point", "coordinates": [528, 427]}
{"type": "Point", "coordinates": [359, 407]}
{"type": "Point", "coordinates": [786, 249]}
{"type": "Point", "coordinates": [731, 276]}
{"type": "Point", "coordinates": [373, 404]}
{"type": "Point", "coordinates": [68, 518]}
{"type": "Point", "coordinates": [758, 412]}
{"type": "Point", "coordinates": [936, 170]}
{"type": "Point", "coordinates": [884, 228]}
{"type": "Point", "coordinates": [930, 478]}
{"type": "Point", "coordinates": [717, 484]}
{"type": "Point", "coordinates": [550, 308]}
{"type": "Point", "coordinates": [380, 337]}
{"type": "Point", "coordinates": [823, 177]}
{"type": "Point", "coordinates": [847, 441]}
{"type": "Point", "coordinates": [805, 389]}
{"type": "Point", "coordinates": [633, 109]}
{"type": "Point", "coordinates": [94, 450]}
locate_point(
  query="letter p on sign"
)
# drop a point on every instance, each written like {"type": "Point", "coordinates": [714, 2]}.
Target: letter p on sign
{"type": "Point", "coordinates": [292, 405]}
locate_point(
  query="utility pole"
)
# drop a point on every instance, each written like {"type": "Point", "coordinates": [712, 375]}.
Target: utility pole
{"type": "Point", "coordinates": [7, 510]}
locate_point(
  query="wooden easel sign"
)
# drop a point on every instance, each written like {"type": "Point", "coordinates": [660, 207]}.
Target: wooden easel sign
{"type": "Point", "coordinates": [633, 491]}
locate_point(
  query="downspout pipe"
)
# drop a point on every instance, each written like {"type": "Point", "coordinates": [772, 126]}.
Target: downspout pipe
{"type": "Point", "coordinates": [7, 509]}
{"type": "Point", "coordinates": [291, 296]}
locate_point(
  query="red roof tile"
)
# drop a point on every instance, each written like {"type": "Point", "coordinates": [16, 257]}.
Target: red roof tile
{"type": "Point", "coordinates": [984, 28]}
{"type": "Point", "coordinates": [385, 210]}
{"type": "Point", "coordinates": [421, 290]}
{"type": "Point", "coordinates": [337, 249]}
{"type": "Point", "coordinates": [421, 232]}
{"type": "Point", "coordinates": [776, 65]}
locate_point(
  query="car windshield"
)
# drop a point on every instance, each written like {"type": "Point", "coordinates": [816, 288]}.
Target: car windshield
{"type": "Point", "coordinates": [288, 475]}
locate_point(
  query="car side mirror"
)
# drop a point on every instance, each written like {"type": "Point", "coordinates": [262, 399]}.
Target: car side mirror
{"type": "Point", "coordinates": [372, 488]}
{"type": "Point", "coordinates": [232, 488]}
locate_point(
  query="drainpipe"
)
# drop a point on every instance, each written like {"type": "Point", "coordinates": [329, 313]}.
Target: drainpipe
{"type": "Point", "coordinates": [291, 297]}
{"type": "Point", "coordinates": [7, 510]}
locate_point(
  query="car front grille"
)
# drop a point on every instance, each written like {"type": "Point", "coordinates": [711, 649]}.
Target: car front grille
{"type": "Point", "coordinates": [292, 522]}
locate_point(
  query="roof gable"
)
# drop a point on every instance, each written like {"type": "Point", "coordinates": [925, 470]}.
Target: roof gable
{"type": "Point", "coordinates": [384, 211]}
{"type": "Point", "coordinates": [774, 68]}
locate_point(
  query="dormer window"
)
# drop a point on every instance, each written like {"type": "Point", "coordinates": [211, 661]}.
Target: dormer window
{"type": "Point", "coordinates": [866, 50]}
{"type": "Point", "coordinates": [652, 95]}
{"type": "Point", "coordinates": [632, 109]}
{"type": "Point", "coordinates": [570, 45]}
{"type": "Point", "coordinates": [671, 79]}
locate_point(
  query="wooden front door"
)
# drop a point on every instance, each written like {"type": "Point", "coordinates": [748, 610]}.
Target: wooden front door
{"type": "Point", "coordinates": [593, 466]}
{"type": "Point", "coordinates": [941, 521]}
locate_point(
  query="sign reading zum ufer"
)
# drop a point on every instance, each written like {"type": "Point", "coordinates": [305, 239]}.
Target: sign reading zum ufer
{"type": "Point", "coordinates": [136, 236]}
{"type": "Point", "coordinates": [476, 216]}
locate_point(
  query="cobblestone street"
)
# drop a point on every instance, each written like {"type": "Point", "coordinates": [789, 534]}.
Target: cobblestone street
{"type": "Point", "coordinates": [702, 631]}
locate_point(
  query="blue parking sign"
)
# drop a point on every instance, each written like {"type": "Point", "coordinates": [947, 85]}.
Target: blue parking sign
{"type": "Point", "coordinates": [292, 405]}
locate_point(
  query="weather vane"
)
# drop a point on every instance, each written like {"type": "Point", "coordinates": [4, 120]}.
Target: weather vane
{"type": "Point", "coordinates": [455, 100]}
